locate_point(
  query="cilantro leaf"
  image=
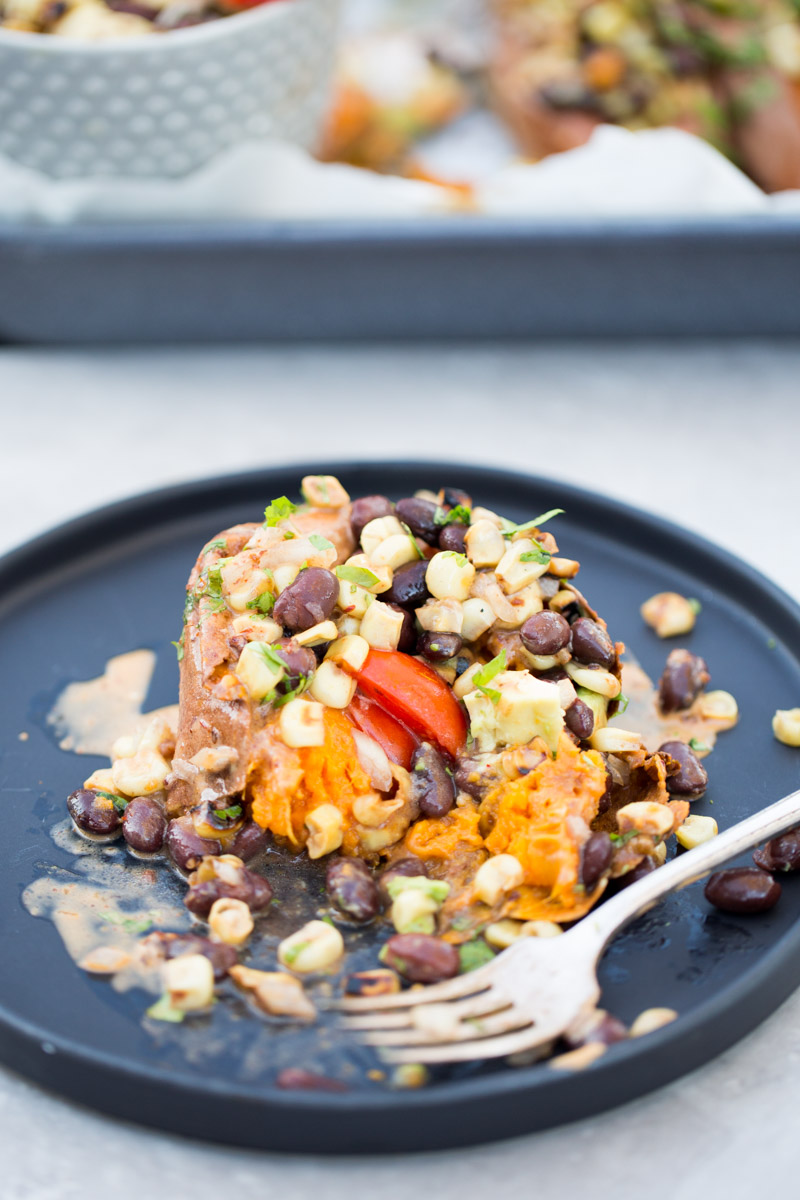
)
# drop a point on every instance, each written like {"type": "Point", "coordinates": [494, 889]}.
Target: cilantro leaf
{"type": "Point", "coordinates": [538, 555]}
{"type": "Point", "coordinates": [622, 839]}
{"type": "Point", "coordinates": [278, 510]}
{"type": "Point", "coordinates": [358, 575]}
{"type": "Point", "coordinates": [622, 703]}
{"type": "Point", "coordinates": [412, 539]}
{"type": "Point", "coordinates": [509, 530]}
{"type": "Point", "coordinates": [263, 604]}
{"type": "Point", "coordinates": [120, 802]}
{"type": "Point", "coordinates": [178, 648]}
{"type": "Point", "coordinates": [228, 814]}
{"type": "Point", "coordinates": [697, 746]}
{"type": "Point", "coordinates": [459, 515]}
{"type": "Point", "coordinates": [302, 684]}
{"type": "Point", "coordinates": [319, 542]}
{"type": "Point", "coordinates": [292, 953]}
{"type": "Point", "coordinates": [487, 673]}
{"type": "Point", "coordinates": [129, 924]}
{"type": "Point", "coordinates": [218, 544]}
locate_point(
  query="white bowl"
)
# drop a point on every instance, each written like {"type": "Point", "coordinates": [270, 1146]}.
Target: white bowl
{"type": "Point", "coordinates": [163, 104]}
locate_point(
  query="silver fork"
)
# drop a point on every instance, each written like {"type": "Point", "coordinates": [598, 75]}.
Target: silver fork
{"type": "Point", "coordinates": [538, 988]}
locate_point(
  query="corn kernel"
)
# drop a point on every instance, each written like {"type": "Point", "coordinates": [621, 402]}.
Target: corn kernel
{"type": "Point", "coordinates": [315, 947]}
{"type": "Point", "coordinates": [230, 921]}
{"type": "Point", "coordinates": [381, 626]}
{"type": "Point", "coordinates": [326, 827]}
{"type": "Point", "coordinates": [786, 726]}
{"type": "Point", "coordinates": [395, 551]}
{"type": "Point", "coordinates": [377, 531]}
{"type": "Point", "coordinates": [669, 614]}
{"type": "Point", "coordinates": [650, 1020]}
{"type": "Point", "coordinates": [317, 635]}
{"type": "Point", "coordinates": [496, 876]}
{"type": "Point", "coordinates": [352, 650]}
{"type": "Point", "coordinates": [477, 618]}
{"type": "Point", "coordinates": [484, 544]}
{"type": "Point", "coordinates": [257, 670]}
{"type": "Point", "coordinates": [514, 572]}
{"type": "Point", "coordinates": [189, 982]}
{"type": "Point", "coordinates": [324, 491]}
{"type": "Point", "coordinates": [302, 723]}
{"type": "Point", "coordinates": [645, 816]}
{"type": "Point", "coordinates": [276, 993]}
{"type": "Point", "coordinates": [696, 830]}
{"type": "Point", "coordinates": [612, 740]}
{"type": "Point", "coordinates": [717, 706]}
{"type": "Point", "coordinates": [140, 775]}
{"type": "Point", "coordinates": [441, 616]}
{"type": "Point", "coordinates": [594, 680]}
{"type": "Point", "coordinates": [449, 576]}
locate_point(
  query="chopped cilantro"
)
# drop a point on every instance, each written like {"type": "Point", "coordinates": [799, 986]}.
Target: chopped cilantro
{"type": "Point", "coordinates": [278, 510]}
{"type": "Point", "coordinates": [292, 953]}
{"type": "Point", "coordinates": [302, 684]}
{"type": "Point", "coordinates": [289, 536]}
{"type": "Point", "coordinates": [487, 673]}
{"type": "Point", "coordinates": [263, 604]}
{"type": "Point", "coordinates": [474, 954]}
{"type": "Point", "coordinates": [538, 555]}
{"type": "Point", "coordinates": [461, 923]}
{"type": "Point", "coordinates": [461, 559]}
{"type": "Point", "coordinates": [622, 839]}
{"type": "Point", "coordinates": [129, 924]}
{"type": "Point", "coordinates": [328, 919]}
{"type": "Point", "coordinates": [358, 575]}
{"type": "Point", "coordinates": [459, 514]}
{"type": "Point", "coordinates": [178, 648]}
{"type": "Point", "coordinates": [694, 605]}
{"type": "Point", "coordinates": [413, 540]}
{"type": "Point", "coordinates": [319, 542]}
{"type": "Point", "coordinates": [219, 544]}
{"type": "Point", "coordinates": [771, 643]}
{"type": "Point", "coordinates": [509, 530]}
{"type": "Point", "coordinates": [120, 802]}
{"type": "Point", "coordinates": [228, 814]}
{"type": "Point", "coordinates": [163, 1010]}
{"type": "Point", "coordinates": [697, 746]}
{"type": "Point", "coordinates": [622, 703]}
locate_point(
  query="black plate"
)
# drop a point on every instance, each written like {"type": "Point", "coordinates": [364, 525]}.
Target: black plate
{"type": "Point", "coordinates": [112, 581]}
{"type": "Point", "coordinates": [422, 278]}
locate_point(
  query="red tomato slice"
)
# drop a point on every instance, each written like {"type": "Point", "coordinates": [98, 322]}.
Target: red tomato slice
{"type": "Point", "coordinates": [416, 695]}
{"type": "Point", "coordinates": [393, 738]}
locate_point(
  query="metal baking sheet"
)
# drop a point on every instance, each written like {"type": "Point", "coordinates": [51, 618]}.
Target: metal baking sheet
{"type": "Point", "coordinates": [428, 278]}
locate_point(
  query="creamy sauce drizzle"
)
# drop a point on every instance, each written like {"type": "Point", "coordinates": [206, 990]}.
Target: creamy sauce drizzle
{"type": "Point", "coordinates": [89, 716]}
{"type": "Point", "coordinates": [644, 716]}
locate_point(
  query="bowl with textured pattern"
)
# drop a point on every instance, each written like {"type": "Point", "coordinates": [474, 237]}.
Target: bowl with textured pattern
{"type": "Point", "coordinates": [162, 105]}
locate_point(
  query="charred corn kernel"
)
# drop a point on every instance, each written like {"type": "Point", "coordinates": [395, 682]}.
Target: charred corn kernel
{"type": "Point", "coordinates": [317, 635]}
{"type": "Point", "coordinates": [395, 551]}
{"type": "Point", "coordinates": [285, 574]}
{"type": "Point", "coordinates": [377, 531]}
{"type": "Point", "coordinates": [717, 706]}
{"type": "Point", "coordinates": [449, 576]}
{"type": "Point", "coordinates": [353, 600]}
{"type": "Point", "coordinates": [381, 626]}
{"type": "Point", "coordinates": [464, 684]}
{"type": "Point", "coordinates": [257, 629]}
{"type": "Point", "coordinates": [786, 726]}
{"type": "Point", "coordinates": [325, 825]}
{"type": "Point", "coordinates": [502, 934]}
{"type": "Point", "coordinates": [410, 1075]}
{"type": "Point", "coordinates": [518, 567]}
{"type": "Point", "coordinates": [324, 491]}
{"type": "Point", "coordinates": [562, 600]}
{"type": "Point", "coordinates": [258, 670]}
{"type": "Point", "coordinates": [485, 514]}
{"type": "Point", "coordinates": [659, 855]}
{"type": "Point", "coordinates": [189, 982]}
{"type": "Point", "coordinates": [145, 772]}
{"type": "Point", "coordinates": [484, 544]}
{"type": "Point", "coordinates": [696, 830]}
{"type": "Point", "coordinates": [594, 680]}
{"type": "Point", "coordinates": [441, 616]}
{"type": "Point", "coordinates": [230, 921]}
{"type": "Point", "coordinates": [414, 912]}
{"type": "Point", "coordinates": [383, 575]}
{"type": "Point", "coordinates": [650, 1020]}
{"type": "Point", "coordinates": [276, 993]}
{"type": "Point", "coordinates": [348, 626]}
{"type": "Point", "coordinates": [315, 947]}
{"type": "Point", "coordinates": [477, 618]}
{"type": "Point", "coordinates": [496, 876]}
{"type": "Point", "coordinates": [564, 568]}
{"type": "Point", "coordinates": [612, 740]}
{"type": "Point", "coordinates": [101, 780]}
{"type": "Point", "coordinates": [104, 960]}
{"type": "Point", "coordinates": [578, 1060]}
{"type": "Point", "coordinates": [302, 723]}
{"type": "Point", "coordinates": [350, 650]}
{"type": "Point", "coordinates": [669, 614]}
{"type": "Point", "coordinates": [645, 816]}
{"type": "Point", "coordinates": [215, 759]}
{"type": "Point", "coordinates": [542, 929]}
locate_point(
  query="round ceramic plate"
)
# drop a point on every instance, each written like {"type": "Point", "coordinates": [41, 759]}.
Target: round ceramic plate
{"type": "Point", "coordinates": [113, 581]}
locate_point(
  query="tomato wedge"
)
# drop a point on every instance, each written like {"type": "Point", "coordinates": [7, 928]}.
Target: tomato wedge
{"type": "Point", "coordinates": [415, 694]}
{"type": "Point", "coordinates": [393, 738]}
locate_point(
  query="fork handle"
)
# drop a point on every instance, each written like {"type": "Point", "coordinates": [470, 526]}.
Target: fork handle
{"type": "Point", "coordinates": [605, 921]}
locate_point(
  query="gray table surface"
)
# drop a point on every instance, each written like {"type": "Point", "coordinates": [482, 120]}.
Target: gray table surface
{"type": "Point", "coordinates": [706, 434]}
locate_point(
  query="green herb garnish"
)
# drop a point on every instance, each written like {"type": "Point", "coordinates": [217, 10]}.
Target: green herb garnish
{"type": "Point", "coordinates": [538, 555]}
{"type": "Point", "coordinates": [292, 953]}
{"type": "Point", "coordinates": [622, 703]}
{"type": "Point", "coordinates": [622, 839]}
{"type": "Point", "coordinates": [474, 954]}
{"type": "Point", "coordinates": [120, 802]}
{"type": "Point", "coordinates": [178, 648]}
{"type": "Point", "coordinates": [278, 510]}
{"type": "Point", "coordinates": [319, 542]}
{"type": "Point", "coordinates": [219, 544]}
{"type": "Point", "coordinates": [509, 530]}
{"type": "Point", "coordinates": [487, 673]}
{"type": "Point", "coordinates": [694, 605]}
{"type": "Point", "coordinates": [458, 515]}
{"type": "Point", "coordinates": [358, 575]}
{"type": "Point", "coordinates": [129, 924]}
{"type": "Point", "coordinates": [164, 1010]}
{"type": "Point", "coordinates": [228, 814]}
{"type": "Point", "coordinates": [263, 604]}
{"type": "Point", "coordinates": [697, 746]}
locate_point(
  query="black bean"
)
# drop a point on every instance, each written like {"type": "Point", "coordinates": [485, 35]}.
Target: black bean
{"type": "Point", "coordinates": [438, 647]}
{"type": "Point", "coordinates": [431, 785]}
{"type": "Point", "coordinates": [420, 517]}
{"type": "Point", "coordinates": [352, 889]}
{"type": "Point", "coordinates": [408, 632]}
{"type": "Point", "coordinates": [93, 813]}
{"type": "Point", "coordinates": [249, 841]}
{"type": "Point", "coordinates": [579, 719]}
{"type": "Point", "coordinates": [645, 867]}
{"type": "Point", "coordinates": [408, 589]}
{"type": "Point", "coordinates": [452, 537]}
{"type": "Point", "coordinates": [591, 643]}
{"type": "Point", "coordinates": [366, 509]}
{"type": "Point", "coordinates": [379, 982]}
{"type": "Point", "coordinates": [408, 868]}
{"type": "Point", "coordinates": [186, 846]}
{"type": "Point", "coordinates": [309, 599]}
{"type": "Point", "coordinates": [545, 633]}
{"type": "Point", "coordinates": [452, 497]}
{"type": "Point", "coordinates": [144, 825]}
{"type": "Point", "coordinates": [742, 890]}
{"type": "Point", "coordinates": [249, 887]}
{"type": "Point", "coordinates": [599, 1027]}
{"type": "Point", "coordinates": [685, 676]}
{"type": "Point", "coordinates": [221, 956]}
{"type": "Point", "coordinates": [596, 858]}
{"type": "Point", "coordinates": [469, 778]}
{"type": "Point", "coordinates": [421, 958]}
{"type": "Point", "coordinates": [300, 662]}
{"type": "Point", "coordinates": [692, 778]}
{"type": "Point", "coordinates": [781, 854]}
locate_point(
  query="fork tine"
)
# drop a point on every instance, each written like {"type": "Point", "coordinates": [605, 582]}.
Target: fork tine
{"type": "Point", "coordinates": [487, 1026]}
{"type": "Point", "coordinates": [387, 1020]}
{"type": "Point", "coordinates": [451, 989]}
{"type": "Point", "coordinates": [493, 1047]}
{"type": "Point", "coordinates": [474, 1006]}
